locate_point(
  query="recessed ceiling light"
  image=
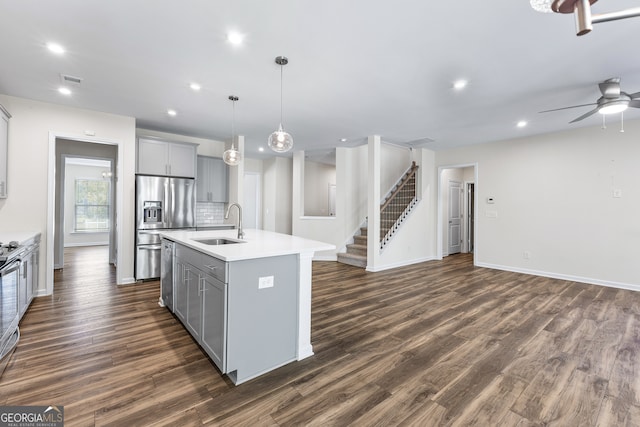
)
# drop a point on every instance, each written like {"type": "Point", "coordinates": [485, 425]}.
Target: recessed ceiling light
{"type": "Point", "coordinates": [195, 87]}
{"type": "Point", "coordinates": [235, 38]}
{"type": "Point", "coordinates": [343, 139]}
{"type": "Point", "coordinates": [64, 90]}
{"type": "Point", "coordinates": [522, 123]}
{"type": "Point", "coordinates": [261, 149]}
{"type": "Point", "coordinates": [460, 84]}
{"type": "Point", "coordinates": [172, 113]}
{"type": "Point", "coordinates": [55, 48]}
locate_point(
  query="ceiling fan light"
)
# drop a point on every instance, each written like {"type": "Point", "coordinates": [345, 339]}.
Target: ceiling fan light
{"type": "Point", "coordinates": [543, 6]}
{"type": "Point", "coordinates": [614, 107]}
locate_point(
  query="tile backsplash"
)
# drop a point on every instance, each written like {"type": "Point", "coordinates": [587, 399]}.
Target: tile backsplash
{"type": "Point", "coordinates": [208, 213]}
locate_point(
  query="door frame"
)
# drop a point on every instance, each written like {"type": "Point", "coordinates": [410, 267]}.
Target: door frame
{"type": "Point", "coordinates": [442, 218]}
{"type": "Point", "coordinates": [51, 199]}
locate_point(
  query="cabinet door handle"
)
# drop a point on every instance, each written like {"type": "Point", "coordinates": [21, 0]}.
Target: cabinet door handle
{"type": "Point", "coordinates": [211, 267]}
{"type": "Point", "coordinates": [200, 285]}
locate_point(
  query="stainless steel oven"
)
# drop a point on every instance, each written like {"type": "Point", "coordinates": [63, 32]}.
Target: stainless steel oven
{"type": "Point", "coordinates": [9, 315]}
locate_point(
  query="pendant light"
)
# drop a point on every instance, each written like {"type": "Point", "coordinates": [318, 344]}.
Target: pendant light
{"type": "Point", "coordinates": [232, 156]}
{"type": "Point", "coordinates": [280, 141]}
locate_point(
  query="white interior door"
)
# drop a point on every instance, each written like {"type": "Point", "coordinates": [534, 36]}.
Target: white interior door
{"type": "Point", "coordinates": [455, 217]}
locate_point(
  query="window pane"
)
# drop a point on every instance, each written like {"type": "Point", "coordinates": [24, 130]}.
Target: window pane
{"type": "Point", "coordinates": [92, 205]}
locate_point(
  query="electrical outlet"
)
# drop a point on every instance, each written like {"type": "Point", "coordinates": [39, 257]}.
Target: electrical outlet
{"type": "Point", "coordinates": [265, 282]}
{"type": "Point", "coordinates": [617, 193]}
{"type": "Point", "coordinates": [526, 254]}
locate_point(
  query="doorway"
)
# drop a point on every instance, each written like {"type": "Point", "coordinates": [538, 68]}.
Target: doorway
{"type": "Point", "coordinates": [63, 148]}
{"type": "Point", "coordinates": [457, 203]}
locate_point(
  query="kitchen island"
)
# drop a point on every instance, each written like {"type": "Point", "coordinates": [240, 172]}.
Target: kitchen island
{"type": "Point", "coordinates": [247, 302]}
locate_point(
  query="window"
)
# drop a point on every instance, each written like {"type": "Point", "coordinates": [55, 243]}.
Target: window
{"type": "Point", "coordinates": [92, 205]}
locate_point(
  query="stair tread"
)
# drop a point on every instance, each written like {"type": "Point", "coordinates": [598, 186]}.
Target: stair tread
{"type": "Point", "coordinates": [355, 256]}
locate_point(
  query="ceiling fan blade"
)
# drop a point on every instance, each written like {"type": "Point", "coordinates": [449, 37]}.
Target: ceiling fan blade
{"type": "Point", "coordinates": [584, 116]}
{"type": "Point", "coordinates": [635, 95]}
{"type": "Point", "coordinates": [566, 108]}
{"type": "Point", "coordinates": [635, 103]}
{"type": "Point", "coordinates": [610, 88]}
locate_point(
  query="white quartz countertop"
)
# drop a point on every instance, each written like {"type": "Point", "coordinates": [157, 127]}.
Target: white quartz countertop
{"type": "Point", "coordinates": [22, 237]}
{"type": "Point", "coordinates": [256, 243]}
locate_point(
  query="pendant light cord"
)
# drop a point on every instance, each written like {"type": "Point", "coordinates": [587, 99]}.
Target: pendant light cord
{"type": "Point", "coordinates": [281, 67]}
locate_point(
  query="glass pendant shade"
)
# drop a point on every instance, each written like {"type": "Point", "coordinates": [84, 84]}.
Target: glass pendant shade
{"type": "Point", "coordinates": [280, 141]}
{"type": "Point", "coordinates": [232, 157]}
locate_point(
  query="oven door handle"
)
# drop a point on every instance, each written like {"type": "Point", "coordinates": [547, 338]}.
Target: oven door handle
{"type": "Point", "coordinates": [13, 265]}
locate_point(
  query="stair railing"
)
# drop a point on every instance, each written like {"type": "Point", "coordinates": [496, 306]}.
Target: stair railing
{"type": "Point", "coordinates": [397, 204]}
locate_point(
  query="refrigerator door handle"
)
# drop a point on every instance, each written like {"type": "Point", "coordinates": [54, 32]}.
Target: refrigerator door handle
{"type": "Point", "coordinates": [149, 247]}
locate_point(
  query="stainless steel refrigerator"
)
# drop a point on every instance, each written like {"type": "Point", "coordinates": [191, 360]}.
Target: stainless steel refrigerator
{"type": "Point", "coordinates": [162, 204]}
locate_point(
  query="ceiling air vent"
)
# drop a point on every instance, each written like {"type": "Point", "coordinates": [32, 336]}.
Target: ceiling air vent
{"type": "Point", "coordinates": [70, 80]}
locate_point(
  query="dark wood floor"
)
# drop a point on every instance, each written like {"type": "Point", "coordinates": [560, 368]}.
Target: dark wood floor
{"type": "Point", "coordinates": [439, 343]}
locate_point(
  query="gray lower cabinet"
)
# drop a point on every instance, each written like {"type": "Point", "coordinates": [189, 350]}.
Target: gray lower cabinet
{"type": "Point", "coordinates": [28, 283]}
{"type": "Point", "coordinates": [180, 289]}
{"type": "Point", "coordinates": [214, 320]}
{"type": "Point", "coordinates": [194, 300]}
{"type": "Point", "coordinates": [201, 300]}
{"type": "Point", "coordinates": [244, 314]}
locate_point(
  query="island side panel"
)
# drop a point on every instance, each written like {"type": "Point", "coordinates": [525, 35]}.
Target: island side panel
{"type": "Point", "coordinates": [305, 349]}
{"type": "Point", "coordinates": [262, 315]}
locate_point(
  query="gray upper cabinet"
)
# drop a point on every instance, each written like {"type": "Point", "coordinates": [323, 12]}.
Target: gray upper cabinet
{"type": "Point", "coordinates": [157, 157]}
{"type": "Point", "coordinates": [212, 178]}
{"type": "Point", "coordinates": [4, 150]}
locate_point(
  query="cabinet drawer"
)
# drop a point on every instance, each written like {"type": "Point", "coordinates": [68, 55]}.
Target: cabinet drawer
{"type": "Point", "coordinates": [207, 264]}
{"type": "Point", "coordinates": [214, 267]}
{"type": "Point", "coordinates": [188, 255]}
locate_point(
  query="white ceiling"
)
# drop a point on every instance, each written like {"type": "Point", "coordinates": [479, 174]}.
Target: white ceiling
{"type": "Point", "coordinates": [357, 67]}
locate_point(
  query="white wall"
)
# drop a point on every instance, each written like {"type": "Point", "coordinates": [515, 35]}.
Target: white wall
{"type": "Point", "coordinates": [277, 195]}
{"type": "Point", "coordinates": [415, 240]}
{"type": "Point", "coordinates": [317, 177]}
{"type": "Point", "coordinates": [351, 201]}
{"type": "Point", "coordinates": [26, 208]}
{"type": "Point", "coordinates": [394, 163]}
{"type": "Point", "coordinates": [71, 238]}
{"type": "Point", "coordinates": [554, 200]}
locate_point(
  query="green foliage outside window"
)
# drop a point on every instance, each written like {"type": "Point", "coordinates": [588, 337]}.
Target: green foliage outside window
{"type": "Point", "coordinates": [92, 205]}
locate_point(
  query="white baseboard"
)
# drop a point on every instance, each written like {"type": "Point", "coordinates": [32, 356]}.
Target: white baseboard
{"type": "Point", "coordinates": [400, 264]}
{"type": "Point", "coordinates": [325, 258]}
{"type": "Point", "coordinates": [73, 245]}
{"type": "Point", "coordinates": [552, 275]}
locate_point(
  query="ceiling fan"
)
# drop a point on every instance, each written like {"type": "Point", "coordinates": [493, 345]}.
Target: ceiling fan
{"type": "Point", "coordinates": [613, 100]}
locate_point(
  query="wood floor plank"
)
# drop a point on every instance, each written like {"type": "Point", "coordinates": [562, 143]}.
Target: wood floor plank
{"type": "Point", "coordinates": [440, 343]}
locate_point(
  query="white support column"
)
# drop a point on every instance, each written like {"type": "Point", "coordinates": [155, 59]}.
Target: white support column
{"type": "Point", "coordinates": [305, 349]}
{"type": "Point", "coordinates": [373, 210]}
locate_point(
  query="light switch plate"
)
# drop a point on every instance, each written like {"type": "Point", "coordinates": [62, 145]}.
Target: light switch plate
{"type": "Point", "coordinates": [265, 282]}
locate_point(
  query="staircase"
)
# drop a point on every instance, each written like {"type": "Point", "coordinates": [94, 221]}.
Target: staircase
{"type": "Point", "coordinates": [394, 210]}
{"type": "Point", "coordinates": [356, 254]}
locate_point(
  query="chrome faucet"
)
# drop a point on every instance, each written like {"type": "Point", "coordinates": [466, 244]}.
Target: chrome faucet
{"type": "Point", "coordinates": [226, 216]}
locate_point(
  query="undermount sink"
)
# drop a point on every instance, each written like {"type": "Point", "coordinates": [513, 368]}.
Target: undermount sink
{"type": "Point", "coordinates": [218, 241]}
